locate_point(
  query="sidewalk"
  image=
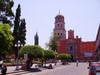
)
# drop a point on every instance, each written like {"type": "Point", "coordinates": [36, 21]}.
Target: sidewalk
{"type": "Point", "coordinates": [11, 69]}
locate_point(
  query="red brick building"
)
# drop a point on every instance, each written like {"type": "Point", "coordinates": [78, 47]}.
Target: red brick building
{"type": "Point", "coordinates": [72, 45]}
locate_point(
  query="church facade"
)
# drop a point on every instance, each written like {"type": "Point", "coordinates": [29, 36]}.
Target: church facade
{"type": "Point", "coordinates": [72, 45]}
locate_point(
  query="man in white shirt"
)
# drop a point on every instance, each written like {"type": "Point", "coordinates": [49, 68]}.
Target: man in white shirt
{"type": "Point", "coordinates": [1, 62]}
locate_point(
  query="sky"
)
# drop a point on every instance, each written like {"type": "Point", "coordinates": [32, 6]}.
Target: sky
{"type": "Point", "coordinates": [82, 16]}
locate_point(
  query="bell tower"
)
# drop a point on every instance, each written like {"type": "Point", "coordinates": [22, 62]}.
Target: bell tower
{"type": "Point", "coordinates": [59, 28]}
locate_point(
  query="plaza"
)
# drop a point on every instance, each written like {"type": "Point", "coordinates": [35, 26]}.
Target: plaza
{"type": "Point", "coordinates": [70, 69]}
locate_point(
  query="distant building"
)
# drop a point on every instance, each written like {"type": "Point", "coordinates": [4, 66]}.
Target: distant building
{"type": "Point", "coordinates": [36, 39]}
{"type": "Point", "coordinates": [98, 44]}
{"type": "Point", "coordinates": [73, 45]}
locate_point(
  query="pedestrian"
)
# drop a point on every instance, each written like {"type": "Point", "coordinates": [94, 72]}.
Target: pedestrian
{"type": "Point", "coordinates": [4, 70]}
{"type": "Point", "coordinates": [77, 63]}
{"type": "Point", "coordinates": [50, 66]}
{"type": "Point", "coordinates": [1, 62]}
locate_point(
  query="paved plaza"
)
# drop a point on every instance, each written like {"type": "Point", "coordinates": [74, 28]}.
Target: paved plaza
{"type": "Point", "coordinates": [70, 69]}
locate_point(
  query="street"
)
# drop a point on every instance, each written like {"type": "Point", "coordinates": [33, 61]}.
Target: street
{"type": "Point", "coordinates": [70, 69]}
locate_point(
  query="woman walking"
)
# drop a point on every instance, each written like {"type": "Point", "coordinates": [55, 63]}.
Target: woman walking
{"type": "Point", "coordinates": [4, 70]}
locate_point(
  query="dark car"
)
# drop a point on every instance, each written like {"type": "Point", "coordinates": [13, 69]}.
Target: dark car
{"type": "Point", "coordinates": [94, 68]}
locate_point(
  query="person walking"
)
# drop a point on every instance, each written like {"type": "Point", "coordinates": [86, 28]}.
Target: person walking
{"type": "Point", "coordinates": [77, 63]}
{"type": "Point", "coordinates": [4, 70]}
{"type": "Point", "coordinates": [1, 62]}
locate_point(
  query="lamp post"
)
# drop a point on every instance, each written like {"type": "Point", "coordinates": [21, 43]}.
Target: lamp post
{"type": "Point", "coordinates": [55, 57]}
{"type": "Point", "coordinates": [17, 45]}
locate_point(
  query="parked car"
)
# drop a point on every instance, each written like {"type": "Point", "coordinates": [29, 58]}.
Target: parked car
{"type": "Point", "coordinates": [94, 68]}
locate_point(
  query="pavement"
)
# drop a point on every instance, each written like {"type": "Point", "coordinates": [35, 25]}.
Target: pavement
{"type": "Point", "coordinates": [11, 69]}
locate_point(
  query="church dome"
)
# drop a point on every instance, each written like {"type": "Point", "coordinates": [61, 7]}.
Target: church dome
{"type": "Point", "coordinates": [59, 18]}
{"type": "Point", "coordinates": [60, 15]}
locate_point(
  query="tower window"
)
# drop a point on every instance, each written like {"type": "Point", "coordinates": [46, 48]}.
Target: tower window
{"type": "Point", "coordinates": [58, 33]}
{"type": "Point", "coordinates": [71, 48]}
{"type": "Point", "coordinates": [61, 33]}
{"type": "Point", "coordinates": [58, 24]}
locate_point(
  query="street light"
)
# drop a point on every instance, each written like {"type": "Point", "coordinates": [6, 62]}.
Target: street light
{"type": "Point", "coordinates": [18, 44]}
{"type": "Point", "coordinates": [55, 57]}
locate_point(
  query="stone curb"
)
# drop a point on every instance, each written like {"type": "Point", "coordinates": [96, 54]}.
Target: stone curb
{"type": "Point", "coordinates": [39, 68]}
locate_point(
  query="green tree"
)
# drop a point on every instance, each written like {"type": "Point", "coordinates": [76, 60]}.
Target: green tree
{"type": "Point", "coordinates": [22, 32]}
{"type": "Point", "coordinates": [6, 39]}
{"type": "Point", "coordinates": [48, 54]}
{"type": "Point", "coordinates": [33, 51]}
{"type": "Point", "coordinates": [68, 56]}
{"type": "Point", "coordinates": [63, 57]}
{"type": "Point", "coordinates": [16, 29]}
{"type": "Point", "coordinates": [6, 13]}
{"type": "Point", "coordinates": [53, 44]}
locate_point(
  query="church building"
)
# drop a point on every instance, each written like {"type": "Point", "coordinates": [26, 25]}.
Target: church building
{"type": "Point", "coordinates": [78, 49]}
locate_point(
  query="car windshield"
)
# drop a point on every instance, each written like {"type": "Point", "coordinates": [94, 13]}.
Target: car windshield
{"type": "Point", "coordinates": [95, 68]}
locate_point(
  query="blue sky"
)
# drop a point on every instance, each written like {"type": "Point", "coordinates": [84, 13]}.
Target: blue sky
{"type": "Point", "coordinates": [82, 16]}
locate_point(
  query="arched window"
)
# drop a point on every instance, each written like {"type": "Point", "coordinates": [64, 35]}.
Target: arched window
{"type": "Point", "coordinates": [71, 48]}
{"type": "Point", "coordinates": [58, 33]}
{"type": "Point", "coordinates": [61, 33]}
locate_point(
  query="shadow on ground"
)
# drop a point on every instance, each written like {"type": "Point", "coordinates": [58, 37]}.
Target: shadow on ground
{"type": "Point", "coordinates": [34, 70]}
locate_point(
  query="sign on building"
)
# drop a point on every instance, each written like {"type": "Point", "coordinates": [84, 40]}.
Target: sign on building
{"type": "Point", "coordinates": [88, 54]}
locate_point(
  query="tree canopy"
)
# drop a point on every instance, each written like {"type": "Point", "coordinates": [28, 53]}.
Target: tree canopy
{"type": "Point", "coordinates": [6, 13]}
{"type": "Point", "coordinates": [53, 44]}
{"type": "Point", "coordinates": [49, 54]}
{"type": "Point", "coordinates": [19, 31]}
{"type": "Point", "coordinates": [33, 51]}
{"type": "Point", "coordinates": [22, 32]}
{"type": "Point", "coordinates": [6, 38]}
{"type": "Point", "coordinates": [64, 56]}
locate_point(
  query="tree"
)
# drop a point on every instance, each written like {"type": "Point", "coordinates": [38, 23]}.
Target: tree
{"type": "Point", "coordinates": [22, 32]}
{"type": "Point", "coordinates": [33, 51]}
{"type": "Point", "coordinates": [53, 44]}
{"type": "Point", "coordinates": [64, 57]}
{"type": "Point", "coordinates": [68, 56]}
{"type": "Point", "coordinates": [49, 54]}
{"type": "Point", "coordinates": [6, 39]}
{"type": "Point", "coordinates": [6, 13]}
{"type": "Point", "coordinates": [16, 29]}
